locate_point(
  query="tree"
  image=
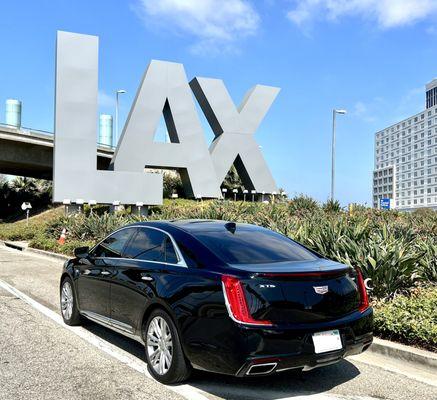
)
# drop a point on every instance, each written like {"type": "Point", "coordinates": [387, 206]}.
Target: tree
{"type": "Point", "coordinates": [13, 193]}
{"type": "Point", "coordinates": [233, 180]}
{"type": "Point", "coordinates": [172, 184]}
{"type": "Point", "coordinates": [25, 186]}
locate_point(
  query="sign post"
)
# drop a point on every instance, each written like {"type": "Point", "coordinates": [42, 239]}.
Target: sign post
{"type": "Point", "coordinates": [26, 207]}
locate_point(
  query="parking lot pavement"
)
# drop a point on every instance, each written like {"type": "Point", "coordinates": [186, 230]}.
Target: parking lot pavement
{"type": "Point", "coordinates": [41, 359]}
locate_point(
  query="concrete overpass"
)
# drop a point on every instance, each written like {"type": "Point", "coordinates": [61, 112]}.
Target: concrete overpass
{"type": "Point", "coordinates": [29, 152]}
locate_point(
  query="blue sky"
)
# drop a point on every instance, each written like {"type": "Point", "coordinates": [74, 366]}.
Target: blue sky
{"type": "Point", "coordinates": [372, 57]}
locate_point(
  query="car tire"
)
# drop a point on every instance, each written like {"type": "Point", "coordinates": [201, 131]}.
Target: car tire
{"type": "Point", "coordinates": [69, 311]}
{"type": "Point", "coordinates": [158, 349]}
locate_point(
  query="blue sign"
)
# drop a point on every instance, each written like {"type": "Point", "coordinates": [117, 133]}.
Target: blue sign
{"type": "Point", "coordinates": [384, 204]}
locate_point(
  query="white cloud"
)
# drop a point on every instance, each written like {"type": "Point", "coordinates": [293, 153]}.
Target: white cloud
{"type": "Point", "coordinates": [105, 99]}
{"type": "Point", "coordinates": [380, 111]}
{"type": "Point", "coordinates": [359, 108]}
{"type": "Point", "coordinates": [363, 111]}
{"type": "Point", "coordinates": [432, 30]}
{"type": "Point", "coordinates": [413, 101]}
{"type": "Point", "coordinates": [386, 13]}
{"type": "Point", "coordinates": [215, 25]}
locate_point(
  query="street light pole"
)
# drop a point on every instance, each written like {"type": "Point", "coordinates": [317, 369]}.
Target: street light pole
{"type": "Point", "coordinates": [334, 113]}
{"type": "Point", "coordinates": [117, 93]}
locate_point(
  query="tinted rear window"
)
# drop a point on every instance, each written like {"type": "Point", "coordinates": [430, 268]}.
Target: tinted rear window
{"type": "Point", "coordinates": [253, 246]}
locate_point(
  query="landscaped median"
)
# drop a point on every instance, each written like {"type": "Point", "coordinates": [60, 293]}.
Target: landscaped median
{"type": "Point", "coordinates": [397, 251]}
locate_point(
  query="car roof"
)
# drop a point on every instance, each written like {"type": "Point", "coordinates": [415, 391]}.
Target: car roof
{"type": "Point", "coordinates": [195, 225]}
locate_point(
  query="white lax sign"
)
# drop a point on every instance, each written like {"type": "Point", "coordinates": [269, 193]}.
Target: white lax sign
{"type": "Point", "coordinates": [164, 90]}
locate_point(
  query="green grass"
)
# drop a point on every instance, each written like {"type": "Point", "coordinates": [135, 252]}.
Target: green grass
{"type": "Point", "coordinates": [20, 231]}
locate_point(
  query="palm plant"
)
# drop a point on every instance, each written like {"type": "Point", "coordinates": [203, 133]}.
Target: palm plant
{"type": "Point", "coordinates": [23, 185]}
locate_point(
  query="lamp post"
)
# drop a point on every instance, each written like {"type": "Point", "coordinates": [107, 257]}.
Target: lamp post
{"type": "Point", "coordinates": [117, 93]}
{"type": "Point", "coordinates": [334, 113]}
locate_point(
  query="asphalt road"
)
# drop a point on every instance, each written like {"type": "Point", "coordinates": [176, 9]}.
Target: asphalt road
{"type": "Point", "coordinates": [40, 358]}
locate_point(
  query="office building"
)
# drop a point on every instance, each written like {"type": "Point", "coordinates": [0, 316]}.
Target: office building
{"type": "Point", "coordinates": [406, 159]}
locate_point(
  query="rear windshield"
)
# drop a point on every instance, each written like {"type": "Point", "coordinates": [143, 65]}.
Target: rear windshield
{"type": "Point", "coordinates": [253, 246]}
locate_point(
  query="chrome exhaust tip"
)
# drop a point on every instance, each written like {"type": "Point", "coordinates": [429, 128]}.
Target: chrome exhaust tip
{"type": "Point", "coordinates": [261, 369]}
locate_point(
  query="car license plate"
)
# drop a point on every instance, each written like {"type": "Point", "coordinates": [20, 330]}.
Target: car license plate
{"type": "Point", "coordinates": [327, 341]}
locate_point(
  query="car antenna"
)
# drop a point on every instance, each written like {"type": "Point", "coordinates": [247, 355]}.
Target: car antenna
{"type": "Point", "coordinates": [231, 227]}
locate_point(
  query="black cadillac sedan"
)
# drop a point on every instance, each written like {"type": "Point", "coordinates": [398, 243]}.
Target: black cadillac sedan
{"type": "Point", "coordinates": [223, 297]}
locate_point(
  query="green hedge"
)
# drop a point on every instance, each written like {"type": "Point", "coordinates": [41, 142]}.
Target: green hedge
{"type": "Point", "coordinates": [410, 319]}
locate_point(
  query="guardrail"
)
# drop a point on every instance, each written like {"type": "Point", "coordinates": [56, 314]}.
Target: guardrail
{"type": "Point", "coordinates": [37, 132]}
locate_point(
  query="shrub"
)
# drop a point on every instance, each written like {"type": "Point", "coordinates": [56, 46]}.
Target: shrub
{"type": "Point", "coordinates": [396, 250]}
{"type": "Point", "coordinates": [51, 244]}
{"type": "Point", "coordinates": [302, 203]}
{"type": "Point", "coordinates": [411, 319]}
{"type": "Point", "coordinates": [332, 206]}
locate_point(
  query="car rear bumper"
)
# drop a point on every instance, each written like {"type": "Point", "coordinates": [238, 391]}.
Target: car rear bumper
{"type": "Point", "coordinates": [288, 348]}
{"type": "Point", "coordinates": [294, 349]}
{"type": "Point", "coordinates": [304, 360]}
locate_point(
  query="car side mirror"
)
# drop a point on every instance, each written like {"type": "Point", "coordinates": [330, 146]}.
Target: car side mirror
{"type": "Point", "coordinates": [82, 252]}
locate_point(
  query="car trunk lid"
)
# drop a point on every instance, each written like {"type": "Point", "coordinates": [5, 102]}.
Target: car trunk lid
{"type": "Point", "coordinates": [300, 292]}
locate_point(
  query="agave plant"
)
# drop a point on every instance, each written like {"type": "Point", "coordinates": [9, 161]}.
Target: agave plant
{"type": "Point", "coordinates": [395, 250]}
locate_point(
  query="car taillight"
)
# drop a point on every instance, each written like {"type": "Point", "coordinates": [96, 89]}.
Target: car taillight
{"type": "Point", "coordinates": [364, 299]}
{"type": "Point", "coordinates": [236, 302]}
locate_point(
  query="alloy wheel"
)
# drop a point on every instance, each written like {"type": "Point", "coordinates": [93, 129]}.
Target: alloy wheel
{"type": "Point", "coordinates": [159, 345]}
{"type": "Point", "coordinates": [67, 300]}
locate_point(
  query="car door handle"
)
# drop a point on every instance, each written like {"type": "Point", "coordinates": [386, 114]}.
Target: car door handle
{"type": "Point", "coordinates": [105, 273]}
{"type": "Point", "coordinates": [146, 277]}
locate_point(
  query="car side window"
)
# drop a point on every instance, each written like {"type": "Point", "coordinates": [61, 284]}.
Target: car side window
{"type": "Point", "coordinates": [170, 253]}
{"type": "Point", "coordinates": [147, 245]}
{"type": "Point", "coordinates": [189, 257]}
{"type": "Point", "coordinates": [113, 245]}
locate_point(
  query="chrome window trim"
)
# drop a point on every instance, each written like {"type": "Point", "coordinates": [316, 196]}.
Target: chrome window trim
{"type": "Point", "coordinates": [180, 263]}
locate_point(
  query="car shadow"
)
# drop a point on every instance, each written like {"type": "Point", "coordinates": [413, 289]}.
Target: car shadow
{"type": "Point", "coordinates": [286, 384]}
{"type": "Point", "coordinates": [277, 386]}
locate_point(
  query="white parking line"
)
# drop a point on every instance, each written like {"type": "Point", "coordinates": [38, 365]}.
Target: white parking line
{"type": "Point", "coordinates": [186, 391]}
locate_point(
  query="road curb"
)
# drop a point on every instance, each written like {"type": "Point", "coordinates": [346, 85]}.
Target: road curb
{"type": "Point", "coordinates": [25, 249]}
{"type": "Point", "coordinates": [421, 359]}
